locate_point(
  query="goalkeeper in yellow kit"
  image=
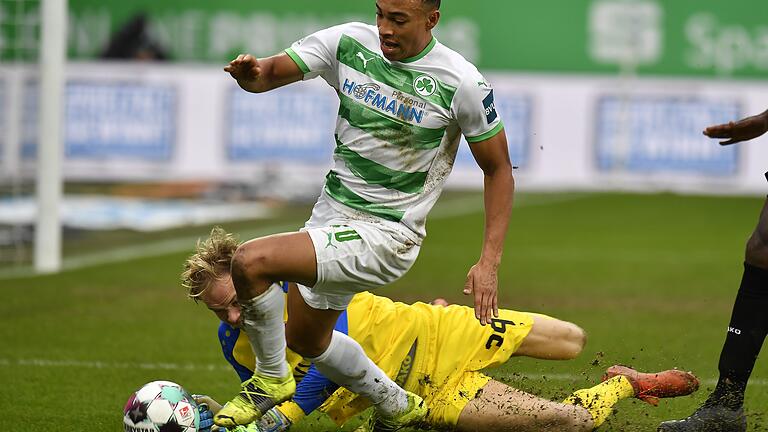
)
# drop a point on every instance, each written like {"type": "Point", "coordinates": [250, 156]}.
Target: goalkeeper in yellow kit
{"type": "Point", "coordinates": [436, 352]}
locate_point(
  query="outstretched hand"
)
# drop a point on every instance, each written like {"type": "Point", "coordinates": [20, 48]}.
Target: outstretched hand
{"type": "Point", "coordinates": [742, 130]}
{"type": "Point", "coordinates": [482, 281]}
{"type": "Point", "coordinates": [245, 68]}
{"type": "Point", "coordinates": [207, 407]}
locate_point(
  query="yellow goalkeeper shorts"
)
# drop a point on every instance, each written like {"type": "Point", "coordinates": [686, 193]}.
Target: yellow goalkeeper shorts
{"type": "Point", "coordinates": [452, 348]}
{"type": "Point", "coordinates": [442, 364]}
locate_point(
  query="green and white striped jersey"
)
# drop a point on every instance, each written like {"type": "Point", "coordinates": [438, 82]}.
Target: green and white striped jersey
{"type": "Point", "coordinates": [399, 123]}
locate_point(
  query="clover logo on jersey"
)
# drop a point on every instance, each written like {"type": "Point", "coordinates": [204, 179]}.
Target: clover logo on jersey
{"type": "Point", "coordinates": [425, 85]}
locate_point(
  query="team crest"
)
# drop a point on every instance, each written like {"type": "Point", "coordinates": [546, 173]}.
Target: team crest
{"type": "Point", "coordinates": [425, 85]}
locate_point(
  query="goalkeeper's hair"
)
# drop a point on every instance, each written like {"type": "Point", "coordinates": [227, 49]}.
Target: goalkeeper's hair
{"type": "Point", "coordinates": [433, 3]}
{"type": "Point", "coordinates": [211, 261]}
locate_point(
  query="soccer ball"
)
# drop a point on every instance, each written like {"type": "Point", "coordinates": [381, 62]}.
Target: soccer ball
{"type": "Point", "coordinates": [161, 406]}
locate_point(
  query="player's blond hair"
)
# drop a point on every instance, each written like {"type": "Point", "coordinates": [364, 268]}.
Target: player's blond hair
{"type": "Point", "coordinates": [211, 261]}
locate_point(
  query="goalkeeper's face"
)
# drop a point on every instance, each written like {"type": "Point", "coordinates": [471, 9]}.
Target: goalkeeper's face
{"type": "Point", "coordinates": [405, 27]}
{"type": "Point", "coordinates": [221, 299]}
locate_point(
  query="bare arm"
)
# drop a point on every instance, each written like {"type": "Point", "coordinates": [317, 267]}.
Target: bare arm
{"type": "Point", "coordinates": [742, 130]}
{"type": "Point", "coordinates": [257, 76]}
{"type": "Point", "coordinates": [499, 185]}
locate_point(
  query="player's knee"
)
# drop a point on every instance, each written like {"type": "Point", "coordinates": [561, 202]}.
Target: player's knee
{"type": "Point", "coordinates": [580, 339]}
{"type": "Point", "coordinates": [575, 339]}
{"type": "Point", "coordinates": [249, 261]}
{"type": "Point", "coordinates": [757, 249]}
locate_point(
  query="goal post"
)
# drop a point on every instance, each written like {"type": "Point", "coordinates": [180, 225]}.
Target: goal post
{"type": "Point", "coordinates": [47, 255]}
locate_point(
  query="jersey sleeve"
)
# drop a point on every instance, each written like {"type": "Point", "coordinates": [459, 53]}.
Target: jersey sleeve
{"type": "Point", "coordinates": [475, 108]}
{"type": "Point", "coordinates": [228, 338]}
{"type": "Point", "coordinates": [316, 54]}
{"type": "Point", "coordinates": [313, 390]}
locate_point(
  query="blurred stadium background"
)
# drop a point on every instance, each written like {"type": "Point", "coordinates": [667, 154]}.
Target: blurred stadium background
{"type": "Point", "coordinates": [628, 221]}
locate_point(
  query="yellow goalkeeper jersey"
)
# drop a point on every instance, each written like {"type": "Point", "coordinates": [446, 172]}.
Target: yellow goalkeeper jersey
{"type": "Point", "coordinates": [424, 348]}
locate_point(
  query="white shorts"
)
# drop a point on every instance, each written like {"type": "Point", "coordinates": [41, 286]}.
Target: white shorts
{"type": "Point", "coordinates": [353, 256]}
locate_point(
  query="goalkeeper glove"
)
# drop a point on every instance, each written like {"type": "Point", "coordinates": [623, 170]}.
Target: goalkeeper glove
{"type": "Point", "coordinates": [206, 417]}
{"type": "Point", "coordinates": [274, 421]}
{"type": "Point", "coordinates": [206, 408]}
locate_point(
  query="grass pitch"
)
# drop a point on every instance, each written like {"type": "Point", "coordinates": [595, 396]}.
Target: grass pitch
{"type": "Point", "coordinates": [651, 278]}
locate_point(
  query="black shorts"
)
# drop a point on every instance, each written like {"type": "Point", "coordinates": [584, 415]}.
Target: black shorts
{"type": "Point", "coordinates": [766, 175]}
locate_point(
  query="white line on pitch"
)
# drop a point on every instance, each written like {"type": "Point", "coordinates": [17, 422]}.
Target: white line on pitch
{"type": "Point", "coordinates": [144, 250]}
{"type": "Point", "coordinates": [85, 364]}
{"type": "Point", "coordinates": [82, 364]}
{"type": "Point", "coordinates": [450, 208]}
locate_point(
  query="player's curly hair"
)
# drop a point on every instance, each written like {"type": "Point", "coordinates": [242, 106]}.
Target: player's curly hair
{"type": "Point", "coordinates": [433, 3]}
{"type": "Point", "coordinates": [211, 260]}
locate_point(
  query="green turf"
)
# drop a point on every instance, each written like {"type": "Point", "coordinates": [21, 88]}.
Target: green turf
{"type": "Point", "coordinates": [650, 277]}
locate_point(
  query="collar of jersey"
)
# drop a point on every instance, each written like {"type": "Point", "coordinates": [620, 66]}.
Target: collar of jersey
{"type": "Point", "coordinates": [423, 52]}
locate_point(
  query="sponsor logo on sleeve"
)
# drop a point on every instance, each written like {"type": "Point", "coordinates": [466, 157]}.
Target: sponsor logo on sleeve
{"type": "Point", "coordinates": [490, 108]}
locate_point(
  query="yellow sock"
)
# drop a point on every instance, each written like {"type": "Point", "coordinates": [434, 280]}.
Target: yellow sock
{"type": "Point", "coordinates": [600, 399]}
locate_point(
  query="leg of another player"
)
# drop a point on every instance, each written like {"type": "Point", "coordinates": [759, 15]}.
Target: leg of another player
{"type": "Point", "coordinates": [337, 356]}
{"type": "Point", "coordinates": [747, 331]}
{"type": "Point", "coordinates": [757, 246]}
{"type": "Point", "coordinates": [502, 408]}
{"type": "Point", "coordinates": [553, 339]}
{"type": "Point", "coordinates": [749, 320]}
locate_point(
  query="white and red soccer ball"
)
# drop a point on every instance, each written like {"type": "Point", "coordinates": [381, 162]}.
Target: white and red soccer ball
{"type": "Point", "coordinates": [161, 406]}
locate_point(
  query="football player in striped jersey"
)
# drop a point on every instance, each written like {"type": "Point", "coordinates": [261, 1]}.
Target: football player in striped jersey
{"type": "Point", "coordinates": [405, 101]}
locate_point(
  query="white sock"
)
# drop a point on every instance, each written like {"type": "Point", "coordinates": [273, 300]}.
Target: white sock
{"type": "Point", "coordinates": [264, 325]}
{"type": "Point", "coordinates": [345, 363]}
